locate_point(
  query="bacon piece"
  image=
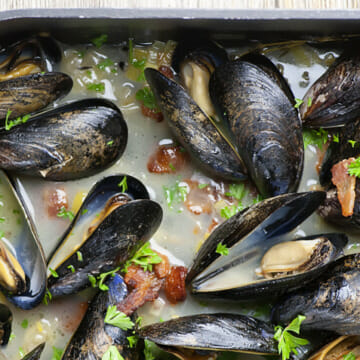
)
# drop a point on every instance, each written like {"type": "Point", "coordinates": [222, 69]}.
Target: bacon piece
{"type": "Point", "coordinates": [162, 269]}
{"type": "Point", "coordinates": [55, 200]}
{"type": "Point", "coordinates": [345, 185]}
{"type": "Point", "coordinates": [174, 288]}
{"type": "Point", "coordinates": [146, 287]}
{"type": "Point", "coordinates": [167, 159]}
{"type": "Point", "coordinates": [152, 113]}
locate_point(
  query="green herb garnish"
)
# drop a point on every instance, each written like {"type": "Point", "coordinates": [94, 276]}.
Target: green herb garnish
{"type": "Point", "coordinates": [354, 168]}
{"type": "Point", "coordinates": [202, 186]}
{"type": "Point", "coordinates": [309, 102]}
{"type": "Point", "coordinates": [65, 214]}
{"type": "Point", "coordinates": [112, 353]}
{"type": "Point", "coordinates": [145, 257]}
{"type": "Point", "coordinates": [25, 323]}
{"type": "Point", "coordinates": [132, 341]}
{"type": "Point", "coordinates": [228, 211]}
{"type": "Point", "coordinates": [349, 356]}
{"type": "Point", "coordinates": [57, 353]}
{"type": "Point", "coordinates": [172, 167]}
{"type": "Point", "coordinates": [21, 352]}
{"type": "Point", "coordinates": [352, 143]}
{"type": "Point", "coordinates": [335, 138]}
{"type": "Point", "coordinates": [117, 318]}
{"type": "Point", "coordinates": [237, 191]}
{"type": "Point", "coordinates": [123, 184]}
{"type": "Point", "coordinates": [84, 211]}
{"type": "Point", "coordinates": [147, 97]}
{"type": "Point", "coordinates": [315, 137]}
{"type": "Point", "coordinates": [102, 65]}
{"type": "Point", "coordinates": [11, 123]}
{"type": "Point", "coordinates": [258, 199]}
{"type": "Point", "coordinates": [48, 297]}
{"type": "Point", "coordinates": [288, 343]}
{"type": "Point", "coordinates": [53, 273]}
{"type": "Point", "coordinates": [92, 280]}
{"type": "Point", "coordinates": [148, 350]}
{"type": "Point", "coordinates": [175, 194]}
{"type": "Point", "coordinates": [298, 102]}
{"type": "Point", "coordinates": [99, 87]}
{"type": "Point", "coordinates": [71, 267]}
{"type": "Point", "coordinates": [222, 249]}
{"type": "Point", "coordinates": [137, 63]}
{"type": "Point", "coordinates": [100, 40]}
{"type": "Point", "coordinates": [109, 143]}
{"type": "Point", "coordinates": [79, 256]}
{"type": "Point", "coordinates": [103, 276]}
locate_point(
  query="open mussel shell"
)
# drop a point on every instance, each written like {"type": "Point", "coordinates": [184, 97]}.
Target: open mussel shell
{"type": "Point", "coordinates": [5, 324]}
{"type": "Point", "coordinates": [264, 123]}
{"type": "Point", "coordinates": [248, 235]}
{"type": "Point", "coordinates": [35, 353]}
{"type": "Point", "coordinates": [329, 303]}
{"type": "Point", "coordinates": [194, 129]}
{"type": "Point", "coordinates": [113, 227]}
{"type": "Point", "coordinates": [70, 142]}
{"type": "Point", "coordinates": [22, 265]}
{"type": "Point", "coordinates": [27, 94]}
{"type": "Point", "coordinates": [335, 96]}
{"type": "Point", "coordinates": [93, 336]}
{"type": "Point", "coordinates": [218, 332]}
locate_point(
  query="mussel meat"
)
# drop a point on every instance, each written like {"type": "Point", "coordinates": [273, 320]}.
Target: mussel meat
{"type": "Point", "coordinates": [70, 142]}
{"type": "Point", "coordinates": [126, 220]}
{"type": "Point", "coordinates": [254, 239]}
{"type": "Point", "coordinates": [93, 337]}
{"type": "Point", "coordinates": [5, 324]}
{"type": "Point", "coordinates": [329, 303]}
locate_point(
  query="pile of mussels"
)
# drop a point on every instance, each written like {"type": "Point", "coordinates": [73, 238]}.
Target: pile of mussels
{"type": "Point", "coordinates": [237, 120]}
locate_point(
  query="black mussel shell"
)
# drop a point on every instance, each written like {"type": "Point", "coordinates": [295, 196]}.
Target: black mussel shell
{"type": "Point", "coordinates": [35, 353]}
{"type": "Point", "coordinates": [70, 142]}
{"type": "Point", "coordinates": [27, 94]}
{"type": "Point", "coordinates": [195, 131]}
{"type": "Point", "coordinates": [248, 235]}
{"type": "Point", "coordinates": [330, 303]}
{"type": "Point", "coordinates": [335, 96]}
{"type": "Point", "coordinates": [5, 324]}
{"type": "Point", "coordinates": [93, 336]}
{"type": "Point", "coordinates": [264, 123]}
{"type": "Point", "coordinates": [219, 332]}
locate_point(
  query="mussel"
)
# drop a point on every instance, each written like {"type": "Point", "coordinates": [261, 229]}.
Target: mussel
{"type": "Point", "coordinates": [261, 136]}
{"type": "Point", "coordinates": [70, 142]}
{"type": "Point", "coordinates": [22, 265]}
{"type": "Point", "coordinates": [111, 225]}
{"type": "Point", "coordinates": [213, 332]}
{"type": "Point", "coordinates": [35, 353]}
{"type": "Point", "coordinates": [5, 324]}
{"type": "Point", "coordinates": [333, 100]}
{"type": "Point", "coordinates": [255, 241]}
{"type": "Point", "coordinates": [93, 337]}
{"type": "Point", "coordinates": [329, 303]}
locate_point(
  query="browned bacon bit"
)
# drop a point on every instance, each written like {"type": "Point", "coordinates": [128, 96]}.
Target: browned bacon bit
{"type": "Point", "coordinates": [214, 224]}
{"type": "Point", "coordinates": [165, 70]}
{"type": "Point", "coordinates": [145, 287]}
{"type": "Point", "coordinates": [174, 288]}
{"type": "Point", "coordinates": [152, 113]}
{"type": "Point", "coordinates": [55, 200]}
{"type": "Point", "coordinates": [167, 159]}
{"type": "Point", "coordinates": [345, 185]}
{"type": "Point", "coordinates": [162, 269]}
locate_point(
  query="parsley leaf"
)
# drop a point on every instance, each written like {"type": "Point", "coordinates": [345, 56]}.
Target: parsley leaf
{"type": "Point", "coordinates": [202, 186]}
{"type": "Point", "coordinates": [53, 273]}
{"type": "Point", "coordinates": [309, 102]}
{"type": "Point", "coordinates": [315, 137]}
{"type": "Point", "coordinates": [335, 138]}
{"type": "Point", "coordinates": [228, 211]}
{"type": "Point", "coordinates": [103, 276]}
{"type": "Point", "coordinates": [99, 87]}
{"type": "Point", "coordinates": [71, 267]}
{"type": "Point", "coordinates": [48, 297]}
{"type": "Point", "coordinates": [57, 353]}
{"type": "Point", "coordinates": [354, 168]}
{"type": "Point", "coordinates": [175, 194]}
{"type": "Point", "coordinates": [11, 123]}
{"type": "Point", "coordinates": [102, 65]}
{"type": "Point", "coordinates": [132, 341]}
{"type": "Point", "coordinates": [137, 63]}
{"type": "Point", "coordinates": [92, 280]}
{"type": "Point", "coordinates": [352, 143]}
{"type": "Point", "coordinates": [117, 318]}
{"type": "Point", "coordinates": [222, 249]}
{"type": "Point", "coordinates": [237, 191]}
{"type": "Point", "coordinates": [349, 356]}
{"type": "Point", "coordinates": [298, 102]}
{"type": "Point", "coordinates": [288, 343]}
{"type": "Point", "coordinates": [79, 256]}
{"type": "Point", "coordinates": [25, 323]}
{"type": "Point", "coordinates": [147, 97]}
{"type": "Point", "coordinates": [145, 257]}
{"type": "Point", "coordinates": [148, 350]}
{"type": "Point", "coordinates": [123, 184]}
{"type": "Point", "coordinates": [100, 40]}
{"type": "Point", "coordinates": [112, 353]}
{"type": "Point", "coordinates": [65, 214]}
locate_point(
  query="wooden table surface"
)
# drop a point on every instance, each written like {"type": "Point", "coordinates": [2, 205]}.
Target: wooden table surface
{"type": "Point", "coordinates": [190, 4]}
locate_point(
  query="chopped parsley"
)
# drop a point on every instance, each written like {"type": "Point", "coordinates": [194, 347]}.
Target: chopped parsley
{"type": "Point", "coordinates": [352, 143]}
{"type": "Point", "coordinates": [80, 54]}
{"type": "Point", "coordinates": [175, 194]}
{"type": "Point", "coordinates": [354, 168]}
{"type": "Point", "coordinates": [147, 97]}
{"type": "Point", "coordinates": [335, 138]}
{"type": "Point", "coordinates": [202, 186]}
{"type": "Point", "coordinates": [123, 184]}
{"type": "Point", "coordinates": [172, 167]}
{"type": "Point", "coordinates": [298, 102]}
{"type": "Point", "coordinates": [21, 352]}
{"type": "Point", "coordinates": [259, 198]}
{"type": "Point", "coordinates": [109, 143]}
{"type": "Point", "coordinates": [222, 249]}
{"type": "Point", "coordinates": [237, 191]}
{"type": "Point", "coordinates": [132, 341]}
{"type": "Point", "coordinates": [102, 65]}
{"type": "Point", "coordinates": [349, 356]}
{"type": "Point", "coordinates": [2, 219]}
{"type": "Point", "coordinates": [25, 323]}
{"type": "Point", "coordinates": [65, 214]}
{"type": "Point", "coordinates": [315, 137]}
{"type": "Point", "coordinates": [309, 102]}
{"type": "Point", "coordinates": [145, 257]}
{"type": "Point", "coordinates": [148, 350]}
{"type": "Point", "coordinates": [99, 87]}
{"type": "Point", "coordinates": [71, 267]}
{"type": "Point", "coordinates": [288, 343]}
{"type": "Point", "coordinates": [100, 40]}
{"type": "Point", "coordinates": [11, 123]}
{"type": "Point", "coordinates": [117, 318]}
{"type": "Point", "coordinates": [137, 63]}
{"type": "Point", "coordinates": [57, 353]}
{"type": "Point", "coordinates": [92, 280]}
{"type": "Point", "coordinates": [48, 297]}
{"type": "Point", "coordinates": [79, 256]}
{"type": "Point", "coordinates": [100, 279]}
{"type": "Point", "coordinates": [53, 273]}
{"type": "Point", "coordinates": [84, 211]}
{"type": "Point", "coordinates": [228, 211]}
{"type": "Point", "coordinates": [112, 353]}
